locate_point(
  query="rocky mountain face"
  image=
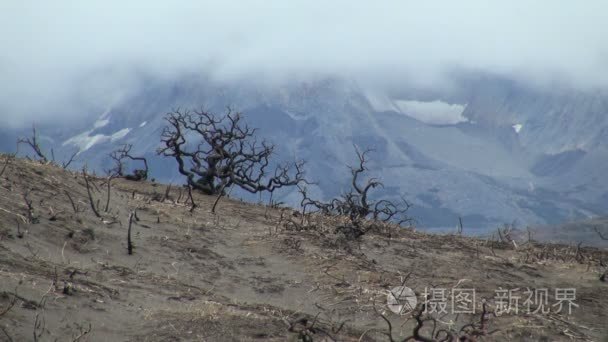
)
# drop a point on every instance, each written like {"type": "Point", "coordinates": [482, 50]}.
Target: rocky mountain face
{"type": "Point", "coordinates": [489, 150]}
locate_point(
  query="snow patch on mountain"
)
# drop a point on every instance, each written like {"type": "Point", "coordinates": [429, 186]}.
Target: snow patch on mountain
{"type": "Point", "coordinates": [517, 127]}
{"type": "Point", "coordinates": [481, 170]}
{"type": "Point", "coordinates": [120, 134]}
{"type": "Point", "coordinates": [101, 123]}
{"type": "Point", "coordinates": [85, 140]}
{"type": "Point", "coordinates": [103, 119]}
{"type": "Point", "coordinates": [432, 112]}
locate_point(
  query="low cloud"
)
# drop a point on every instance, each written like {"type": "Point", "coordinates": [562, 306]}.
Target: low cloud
{"type": "Point", "coordinates": [63, 55]}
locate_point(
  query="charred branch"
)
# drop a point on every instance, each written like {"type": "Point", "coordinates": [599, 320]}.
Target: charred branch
{"type": "Point", "coordinates": [597, 230]}
{"type": "Point", "coordinates": [109, 185]}
{"type": "Point", "coordinates": [167, 192]}
{"type": "Point", "coordinates": [31, 217]}
{"type": "Point", "coordinates": [33, 143]}
{"type": "Point", "coordinates": [191, 198]}
{"type": "Point", "coordinates": [119, 156]}
{"type": "Point", "coordinates": [65, 165]}
{"type": "Point", "coordinates": [356, 203]}
{"type": "Point", "coordinates": [86, 180]}
{"type": "Point", "coordinates": [224, 151]}
{"type": "Point", "coordinates": [74, 206]}
{"type": "Point", "coordinates": [129, 241]}
{"type": "Point", "coordinates": [469, 332]}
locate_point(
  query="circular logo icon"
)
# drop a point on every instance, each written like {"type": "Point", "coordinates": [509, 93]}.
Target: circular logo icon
{"type": "Point", "coordinates": [401, 300]}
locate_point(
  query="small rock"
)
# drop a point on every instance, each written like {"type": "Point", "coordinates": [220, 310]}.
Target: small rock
{"type": "Point", "coordinates": [68, 288]}
{"type": "Point", "coordinates": [604, 277]}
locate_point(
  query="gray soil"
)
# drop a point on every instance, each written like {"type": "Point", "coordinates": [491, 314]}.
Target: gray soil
{"type": "Point", "coordinates": [247, 273]}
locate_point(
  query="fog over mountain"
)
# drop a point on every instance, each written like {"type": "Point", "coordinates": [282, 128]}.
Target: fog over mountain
{"type": "Point", "coordinates": [494, 112]}
{"type": "Point", "coordinates": [65, 53]}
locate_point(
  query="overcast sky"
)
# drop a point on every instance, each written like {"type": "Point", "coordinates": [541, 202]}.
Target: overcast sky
{"type": "Point", "coordinates": [51, 49]}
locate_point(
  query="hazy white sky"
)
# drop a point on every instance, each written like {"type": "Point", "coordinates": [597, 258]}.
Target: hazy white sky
{"type": "Point", "coordinates": [53, 52]}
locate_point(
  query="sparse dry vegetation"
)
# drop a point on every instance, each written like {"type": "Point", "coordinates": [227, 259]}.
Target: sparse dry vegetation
{"type": "Point", "coordinates": [34, 143]}
{"type": "Point", "coordinates": [363, 213]}
{"type": "Point", "coordinates": [250, 272]}
{"type": "Point", "coordinates": [119, 156]}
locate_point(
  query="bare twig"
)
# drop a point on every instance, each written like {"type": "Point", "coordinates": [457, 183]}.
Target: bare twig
{"type": "Point", "coordinates": [74, 206]}
{"type": "Point", "coordinates": [16, 214]}
{"type": "Point", "coordinates": [129, 242]}
{"type": "Point", "coordinates": [179, 197]}
{"type": "Point", "coordinates": [109, 184]}
{"type": "Point", "coordinates": [30, 208]}
{"type": "Point", "coordinates": [579, 254]}
{"type": "Point", "coordinates": [86, 180]}
{"type": "Point", "coordinates": [468, 332]}
{"type": "Point", "coordinates": [7, 161]}
{"type": "Point", "coordinates": [220, 195]}
{"type": "Point", "coordinates": [597, 230]}
{"type": "Point", "coordinates": [19, 232]}
{"type": "Point", "coordinates": [389, 334]}
{"type": "Point", "coordinates": [268, 206]}
{"type": "Point", "coordinates": [39, 326]}
{"type": "Point", "coordinates": [460, 228]}
{"type": "Point", "coordinates": [33, 143]}
{"type": "Point", "coordinates": [193, 205]}
{"type": "Point", "coordinates": [65, 165]}
{"type": "Point", "coordinates": [167, 191]}
{"type": "Point", "coordinates": [122, 153]}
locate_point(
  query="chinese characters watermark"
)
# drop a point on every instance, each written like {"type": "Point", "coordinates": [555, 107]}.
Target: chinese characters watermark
{"type": "Point", "coordinates": [512, 301]}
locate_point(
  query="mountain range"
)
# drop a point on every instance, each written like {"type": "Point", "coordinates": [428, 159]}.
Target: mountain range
{"type": "Point", "coordinates": [485, 148]}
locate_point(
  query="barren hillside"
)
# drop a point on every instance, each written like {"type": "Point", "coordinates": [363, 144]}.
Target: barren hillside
{"type": "Point", "coordinates": [255, 273]}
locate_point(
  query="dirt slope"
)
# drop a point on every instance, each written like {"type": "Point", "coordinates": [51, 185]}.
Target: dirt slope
{"type": "Point", "coordinates": [243, 274]}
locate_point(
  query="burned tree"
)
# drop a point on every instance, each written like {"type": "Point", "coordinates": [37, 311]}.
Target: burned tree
{"type": "Point", "coordinates": [35, 145]}
{"type": "Point", "coordinates": [597, 230]}
{"type": "Point", "coordinates": [86, 181]}
{"type": "Point", "coordinates": [474, 331]}
{"type": "Point", "coordinates": [129, 240]}
{"type": "Point", "coordinates": [356, 205]}
{"type": "Point", "coordinates": [218, 152]}
{"type": "Point", "coordinates": [119, 156]}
